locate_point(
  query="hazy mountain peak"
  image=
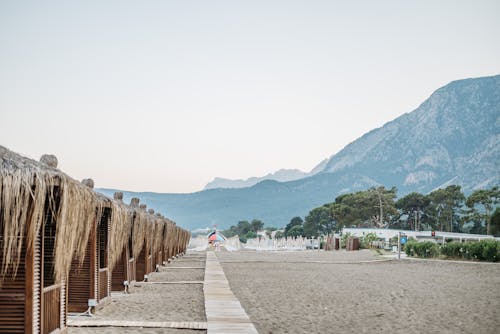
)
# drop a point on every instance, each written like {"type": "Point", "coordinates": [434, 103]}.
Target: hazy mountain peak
{"type": "Point", "coordinates": [282, 175]}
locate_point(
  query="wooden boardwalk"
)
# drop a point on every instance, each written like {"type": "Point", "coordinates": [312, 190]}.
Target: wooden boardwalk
{"type": "Point", "coordinates": [137, 324]}
{"type": "Point", "coordinates": [224, 311]}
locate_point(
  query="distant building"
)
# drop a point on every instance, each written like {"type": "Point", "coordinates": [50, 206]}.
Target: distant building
{"type": "Point", "coordinates": [388, 234]}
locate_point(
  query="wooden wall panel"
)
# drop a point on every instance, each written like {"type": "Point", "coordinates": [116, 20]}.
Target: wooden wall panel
{"type": "Point", "coordinates": [119, 273]}
{"type": "Point", "coordinates": [12, 297]}
{"type": "Point", "coordinates": [80, 281]}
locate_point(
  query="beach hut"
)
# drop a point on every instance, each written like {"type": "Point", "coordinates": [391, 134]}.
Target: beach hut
{"type": "Point", "coordinates": [157, 239]}
{"type": "Point", "coordinates": [175, 240]}
{"type": "Point", "coordinates": [123, 264]}
{"type": "Point", "coordinates": [141, 245]}
{"type": "Point", "coordinates": [171, 241]}
{"type": "Point", "coordinates": [89, 279]}
{"type": "Point", "coordinates": [159, 235]}
{"type": "Point", "coordinates": [165, 241]}
{"type": "Point", "coordinates": [41, 215]}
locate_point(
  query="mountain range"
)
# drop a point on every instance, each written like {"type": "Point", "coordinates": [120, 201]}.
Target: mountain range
{"type": "Point", "coordinates": [453, 137]}
{"type": "Point", "coordinates": [282, 175]}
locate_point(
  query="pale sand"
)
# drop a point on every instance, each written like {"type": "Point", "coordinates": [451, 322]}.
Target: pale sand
{"type": "Point", "coordinates": [179, 275]}
{"type": "Point", "coordinates": [116, 330]}
{"type": "Point", "coordinates": [157, 302]}
{"type": "Point", "coordinates": [283, 293]}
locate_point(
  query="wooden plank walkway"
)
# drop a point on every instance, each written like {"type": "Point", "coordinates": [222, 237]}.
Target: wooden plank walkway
{"type": "Point", "coordinates": [138, 324]}
{"type": "Point", "coordinates": [224, 311]}
{"type": "Point", "coordinates": [168, 268]}
{"type": "Point", "coordinates": [168, 282]}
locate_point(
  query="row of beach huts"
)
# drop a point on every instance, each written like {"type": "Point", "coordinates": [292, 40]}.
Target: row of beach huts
{"type": "Point", "coordinates": [64, 248]}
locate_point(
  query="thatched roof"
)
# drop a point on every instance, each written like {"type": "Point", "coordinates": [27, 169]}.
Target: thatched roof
{"type": "Point", "coordinates": [26, 187]}
{"type": "Point", "coordinates": [121, 228]}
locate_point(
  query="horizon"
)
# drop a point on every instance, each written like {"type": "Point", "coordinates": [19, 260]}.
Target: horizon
{"type": "Point", "coordinates": [165, 97]}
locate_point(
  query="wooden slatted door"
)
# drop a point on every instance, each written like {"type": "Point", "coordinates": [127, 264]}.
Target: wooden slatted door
{"type": "Point", "coordinates": [149, 259]}
{"type": "Point", "coordinates": [81, 279]}
{"type": "Point", "coordinates": [149, 264]}
{"type": "Point", "coordinates": [119, 273]}
{"type": "Point", "coordinates": [131, 271]}
{"type": "Point", "coordinates": [52, 311]}
{"type": "Point", "coordinates": [104, 278]}
{"type": "Point", "coordinates": [140, 265]}
{"type": "Point", "coordinates": [12, 296]}
{"type": "Point", "coordinates": [33, 304]}
{"type": "Point", "coordinates": [131, 265]}
{"type": "Point", "coordinates": [159, 258]}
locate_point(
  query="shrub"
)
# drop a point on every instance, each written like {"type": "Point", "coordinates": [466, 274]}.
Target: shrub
{"type": "Point", "coordinates": [427, 249]}
{"type": "Point", "coordinates": [409, 247]}
{"type": "Point", "coordinates": [367, 240]}
{"type": "Point", "coordinates": [453, 250]}
{"type": "Point", "coordinates": [490, 250]}
{"type": "Point", "coordinates": [343, 239]}
{"type": "Point", "coordinates": [421, 249]}
{"type": "Point", "coordinates": [484, 250]}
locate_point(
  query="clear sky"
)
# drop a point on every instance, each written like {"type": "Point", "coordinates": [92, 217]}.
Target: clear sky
{"type": "Point", "coordinates": [166, 95]}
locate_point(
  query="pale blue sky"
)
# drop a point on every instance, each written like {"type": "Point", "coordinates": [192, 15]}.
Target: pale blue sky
{"type": "Point", "coordinates": [165, 95]}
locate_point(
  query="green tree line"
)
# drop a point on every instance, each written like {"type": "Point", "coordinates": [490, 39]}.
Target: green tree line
{"type": "Point", "coordinates": [244, 229]}
{"type": "Point", "coordinates": [446, 209]}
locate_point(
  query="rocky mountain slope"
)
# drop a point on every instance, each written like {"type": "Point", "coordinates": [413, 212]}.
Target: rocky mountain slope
{"type": "Point", "coordinates": [454, 136]}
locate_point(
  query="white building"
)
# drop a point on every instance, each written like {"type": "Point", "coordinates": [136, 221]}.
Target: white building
{"type": "Point", "coordinates": [419, 235]}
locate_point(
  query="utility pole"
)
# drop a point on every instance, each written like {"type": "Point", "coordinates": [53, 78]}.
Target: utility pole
{"type": "Point", "coordinates": [399, 245]}
{"type": "Point", "coordinates": [416, 219]}
{"type": "Point", "coordinates": [381, 209]}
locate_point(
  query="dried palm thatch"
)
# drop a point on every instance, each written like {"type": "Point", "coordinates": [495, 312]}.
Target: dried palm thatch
{"type": "Point", "coordinates": [26, 189]}
{"type": "Point", "coordinates": [186, 235]}
{"type": "Point", "coordinates": [134, 202]}
{"type": "Point", "coordinates": [29, 188]}
{"type": "Point", "coordinates": [150, 229]}
{"type": "Point", "coordinates": [49, 160]}
{"type": "Point", "coordinates": [173, 239]}
{"type": "Point", "coordinates": [140, 226]}
{"type": "Point", "coordinates": [158, 233]}
{"type": "Point", "coordinates": [118, 196]}
{"type": "Point", "coordinates": [121, 228]}
{"type": "Point", "coordinates": [167, 241]}
{"type": "Point", "coordinates": [88, 182]}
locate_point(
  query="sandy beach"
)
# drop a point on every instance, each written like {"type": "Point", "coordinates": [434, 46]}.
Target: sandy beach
{"type": "Point", "coordinates": [300, 292]}
{"type": "Point", "coordinates": [320, 292]}
{"type": "Point", "coordinates": [157, 302]}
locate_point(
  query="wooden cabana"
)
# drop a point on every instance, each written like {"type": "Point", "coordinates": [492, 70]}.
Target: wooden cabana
{"type": "Point", "coordinates": [89, 279]}
{"type": "Point", "coordinates": [141, 235]}
{"type": "Point", "coordinates": [124, 269]}
{"type": "Point", "coordinates": [41, 215]}
{"type": "Point", "coordinates": [168, 242]}
{"type": "Point", "coordinates": [157, 236]}
{"type": "Point", "coordinates": [160, 234]}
